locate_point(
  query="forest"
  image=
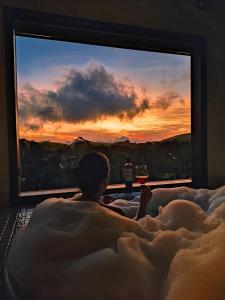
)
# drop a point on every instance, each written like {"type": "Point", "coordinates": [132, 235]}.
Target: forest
{"type": "Point", "coordinates": [50, 165]}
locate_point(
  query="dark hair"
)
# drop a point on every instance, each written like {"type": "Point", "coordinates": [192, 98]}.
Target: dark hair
{"type": "Point", "coordinates": [92, 169]}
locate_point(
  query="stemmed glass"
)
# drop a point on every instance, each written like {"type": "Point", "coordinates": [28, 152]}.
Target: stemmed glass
{"type": "Point", "coordinates": [141, 173]}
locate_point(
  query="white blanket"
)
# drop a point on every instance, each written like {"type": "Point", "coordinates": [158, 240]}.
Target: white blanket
{"type": "Point", "coordinates": [80, 250]}
{"type": "Point", "coordinates": [208, 200]}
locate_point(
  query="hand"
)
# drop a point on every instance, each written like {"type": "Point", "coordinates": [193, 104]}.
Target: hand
{"type": "Point", "coordinates": [146, 195]}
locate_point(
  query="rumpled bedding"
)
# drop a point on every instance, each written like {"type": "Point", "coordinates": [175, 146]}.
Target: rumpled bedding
{"type": "Point", "coordinates": [208, 200]}
{"type": "Point", "coordinates": [80, 250]}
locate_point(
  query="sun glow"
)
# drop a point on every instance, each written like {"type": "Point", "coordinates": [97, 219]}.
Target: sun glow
{"type": "Point", "coordinates": [151, 125]}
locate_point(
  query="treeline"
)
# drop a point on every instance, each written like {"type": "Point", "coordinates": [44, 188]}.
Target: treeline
{"type": "Point", "coordinates": [49, 165]}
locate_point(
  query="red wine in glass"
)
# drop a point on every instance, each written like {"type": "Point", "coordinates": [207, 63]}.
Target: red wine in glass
{"type": "Point", "coordinates": [141, 172]}
{"type": "Point", "coordinates": [141, 179]}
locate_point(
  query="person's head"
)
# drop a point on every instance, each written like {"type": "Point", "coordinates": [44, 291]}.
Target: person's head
{"type": "Point", "coordinates": [93, 173]}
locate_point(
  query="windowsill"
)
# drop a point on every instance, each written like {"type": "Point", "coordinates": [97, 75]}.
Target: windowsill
{"type": "Point", "coordinates": [118, 186]}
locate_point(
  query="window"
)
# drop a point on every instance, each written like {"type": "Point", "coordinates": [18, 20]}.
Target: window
{"type": "Point", "coordinates": [86, 86]}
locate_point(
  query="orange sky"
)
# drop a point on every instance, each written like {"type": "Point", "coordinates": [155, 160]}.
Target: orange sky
{"type": "Point", "coordinates": [153, 125]}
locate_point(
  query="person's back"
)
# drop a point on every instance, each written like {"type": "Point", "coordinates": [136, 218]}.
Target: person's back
{"type": "Point", "coordinates": [92, 176]}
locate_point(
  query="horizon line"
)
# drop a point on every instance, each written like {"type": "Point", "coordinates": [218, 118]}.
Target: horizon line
{"type": "Point", "coordinates": [104, 142]}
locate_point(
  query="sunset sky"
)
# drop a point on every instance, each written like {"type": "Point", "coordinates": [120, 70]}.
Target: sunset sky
{"type": "Point", "coordinates": [66, 90]}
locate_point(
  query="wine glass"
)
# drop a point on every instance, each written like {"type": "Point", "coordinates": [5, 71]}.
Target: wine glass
{"type": "Point", "coordinates": [141, 173]}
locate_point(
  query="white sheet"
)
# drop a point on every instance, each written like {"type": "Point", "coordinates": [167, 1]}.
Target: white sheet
{"type": "Point", "coordinates": [76, 250]}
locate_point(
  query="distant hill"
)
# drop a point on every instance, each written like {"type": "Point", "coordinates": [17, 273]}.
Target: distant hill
{"type": "Point", "coordinates": [122, 139]}
{"type": "Point", "coordinates": [50, 165]}
{"type": "Point", "coordinates": [80, 139]}
{"type": "Point", "coordinates": [47, 142]}
{"type": "Point", "coordinates": [186, 137]}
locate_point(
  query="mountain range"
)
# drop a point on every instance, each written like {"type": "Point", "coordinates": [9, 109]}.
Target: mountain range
{"type": "Point", "coordinates": [186, 137]}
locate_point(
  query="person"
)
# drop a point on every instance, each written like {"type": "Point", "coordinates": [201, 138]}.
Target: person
{"type": "Point", "coordinates": [92, 176]}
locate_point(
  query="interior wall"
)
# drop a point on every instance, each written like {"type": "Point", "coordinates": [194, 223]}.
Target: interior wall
{"type": "Point", "coordinates": [177, 16]}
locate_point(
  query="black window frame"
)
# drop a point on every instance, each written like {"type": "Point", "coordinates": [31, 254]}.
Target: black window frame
{"type": "Point", "coordinates": [57, 27]}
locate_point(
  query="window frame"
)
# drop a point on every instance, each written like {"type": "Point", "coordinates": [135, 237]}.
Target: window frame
{"type": "Point", "coordinates": [56, 27]}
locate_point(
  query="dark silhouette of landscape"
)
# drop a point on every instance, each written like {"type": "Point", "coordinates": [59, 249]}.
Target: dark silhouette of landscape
{"type": "Point", "coordinates": [50, 165]}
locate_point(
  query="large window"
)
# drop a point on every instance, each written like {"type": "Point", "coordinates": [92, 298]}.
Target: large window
{"type": "Point", "coordinates": [75, 98]}
{"type": "Point", "coordinates": [82, 86]}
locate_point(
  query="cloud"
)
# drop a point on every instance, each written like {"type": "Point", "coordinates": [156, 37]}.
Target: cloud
{"type": "Point", "coordinates": [33, 127]}
{"type": "Point", "coordinates": [83, 95]}
{"type": "Point", "coordinates": [34, 103]}
{"type": "Point", "coordinates": [93, 94]}
{"type": "Point", "coordinates": [167, 99]}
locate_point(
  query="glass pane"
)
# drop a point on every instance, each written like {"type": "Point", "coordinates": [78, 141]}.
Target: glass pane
{"type": "Point", "coordinates": [75, 98]}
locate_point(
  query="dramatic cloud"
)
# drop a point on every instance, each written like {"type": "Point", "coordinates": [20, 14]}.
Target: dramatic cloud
{"type": "Point", "coordinates": [33, 127]}
{"type": "Point", "coordinates": [33, 103]}
{"type": "Point", "coordinates": [93, 95]}
{"type": "Point", "coordinates": [167, 99]}
{"type": "Point", "coordinates": [83, 95]}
